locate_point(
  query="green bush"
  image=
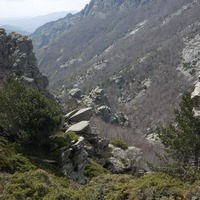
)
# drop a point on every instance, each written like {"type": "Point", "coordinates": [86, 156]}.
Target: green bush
{"type": "Point", "coordinates": [119, 143]}
{"type": "Point", "coordinates": [63, 140]}
{"type": "Point", "coordinates": [124, 187]}
{"type": "Point", "coordinates": [10, 161]}
{"type": "Point", "coordinates": [37, 185]}
{"type": "Point", "coordinates": [93, 169]}
{"type": "Point", "coordinates": [26, 116]}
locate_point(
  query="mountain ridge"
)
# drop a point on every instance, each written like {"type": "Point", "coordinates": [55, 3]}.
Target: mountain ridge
{"type": "Point", "coordinates": [135, 54]}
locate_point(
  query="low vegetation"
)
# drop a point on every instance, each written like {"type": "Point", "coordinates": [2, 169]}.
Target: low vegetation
{"type": "Point", "coordinates": [25, 175]}
{"type": "Point", "coordinates": [93, 169]}
{"type": "Point", "coordinates": [26, 116]}
{"type": "Point", "coordinates": [119, 143]}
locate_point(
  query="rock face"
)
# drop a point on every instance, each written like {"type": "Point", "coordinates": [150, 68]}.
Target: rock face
{"type": "Point", "coordinates": [74, 161]}
{"type": "Point", "coordinates": [18, 61]}
{"type": "Point", "coordinates": [196, 99]}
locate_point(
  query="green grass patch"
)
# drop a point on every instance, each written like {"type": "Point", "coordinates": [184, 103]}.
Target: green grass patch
{"type": "Point", "coordinates": [119, 143]}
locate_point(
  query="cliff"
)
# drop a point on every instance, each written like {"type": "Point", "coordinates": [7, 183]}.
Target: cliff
{"type": "Point", "coordinates": [18, 61]}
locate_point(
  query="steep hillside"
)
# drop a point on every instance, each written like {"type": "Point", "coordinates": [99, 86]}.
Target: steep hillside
{"type": "Point", "coordinates": [143, 53]}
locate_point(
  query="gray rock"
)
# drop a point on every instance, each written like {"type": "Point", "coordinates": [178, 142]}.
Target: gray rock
{"type": "Point", "coordinates": [122, 119]}
{"type": "Point", "coordinates": [123, 161]}
{"type": "Point", "coordinates": [196, 99]}
{"type": "Point", "coordinates": [74, 160]}
{"type": "Point", "coordinates": [115, 165]}
{"type": "Point", "coordinates": [75, 93]}
{"type": "Point", "coordinates": [18, 61]}
{"type": "Point", "coordinates": [79, 127]}
{"type": "Point", "coordinates": [104, 112]}
{"type": "Point", "coordinates": [68, 115]}
{"type": "Point", "coordinates": [83, 114]}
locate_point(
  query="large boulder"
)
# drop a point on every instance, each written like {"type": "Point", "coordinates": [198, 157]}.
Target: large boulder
{"type": "Point", "coordinates": [79, 127]}
{"type": "Point", "coordinates": [125, 161]}
{"type": "Point", "coordinates": [104, 112]}
{"type": "Point", "coordinates": [75, 93]}
{"type": "Point", "coordinates": [83, 114]}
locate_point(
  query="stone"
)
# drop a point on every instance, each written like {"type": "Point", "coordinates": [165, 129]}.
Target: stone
{"type": "Point", "coordinates": [124, 161]}
{"type": "Point", "coordinates": [79, 127]}
{"type": "Point", "coordinates": [104, 112]}
{"type": "Point", "coordinates": [74, 160]}
{"type": "Point", "coordinates": [74, 164]}
{"type": "Point", "coordinates": [115, 165]}
{"type": "Point", "coordinates": [75, 93]}
{"type": "Point", "coordinates": [83, 114]}
{"type": "Point", "coordinates": [122, 119]}
{"type": "Point", "coordinates": [68, 115]}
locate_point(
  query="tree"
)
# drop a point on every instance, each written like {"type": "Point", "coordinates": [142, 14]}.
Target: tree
{"type": "Point", "coordinates": [182, 139]}
{"type": "Point", "coordinates": [26, 115]}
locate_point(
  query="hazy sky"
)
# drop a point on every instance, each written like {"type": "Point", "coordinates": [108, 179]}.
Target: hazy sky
{"type": "Point", "coordinates": [24, 8]}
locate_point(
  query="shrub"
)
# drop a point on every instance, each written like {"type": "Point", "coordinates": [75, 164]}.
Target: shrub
{"type": "Point", "coordinates": [10, 161]}
{"type": "Point", "coordinates": [119, 143]}
{"type": "Point", "coordinates": [93, 169]}
{"type": "Point", "coordinates": [64, 139]}
{"type": "Point", "coordinates": [124, 187]}
{"type": "Point", "coordinates": [26, 116]}
{"type": "Point", "coordinates": [37, 184]}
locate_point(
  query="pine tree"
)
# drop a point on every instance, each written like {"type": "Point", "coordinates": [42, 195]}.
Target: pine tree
{"type": "Point", "coordinates": [182, 138]}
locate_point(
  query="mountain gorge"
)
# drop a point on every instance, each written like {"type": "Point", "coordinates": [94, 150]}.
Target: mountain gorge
{"type": "Point", "coordinates": [126, 62]}
{"type": "Point", "coordinates": [143, 54]}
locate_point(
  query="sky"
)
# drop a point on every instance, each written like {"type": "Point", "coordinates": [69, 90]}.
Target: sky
{"type": "Point", "coordinates": [30, 8]}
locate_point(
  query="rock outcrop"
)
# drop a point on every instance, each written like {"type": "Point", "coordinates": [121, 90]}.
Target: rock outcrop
{"type": "Point", "coordinates": [124, 161]}
{"type": "Point", "coordinates": [18, 61]}
{"type": "Point", "coordinates": [91, 145]}
{"type": "Point", "coordinates": [74, 161]}
{"type": "Point", "coordinates": [196, 99]}
{"type": "Point", "coordinates": [98, 100]}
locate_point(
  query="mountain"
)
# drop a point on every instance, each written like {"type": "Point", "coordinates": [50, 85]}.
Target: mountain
{"type": "Point", "coordinates": [10, 29]}
{"type": "Point", "coordinates": [30, 24]}
{"type": "Point", "coordinates": [144, 54]}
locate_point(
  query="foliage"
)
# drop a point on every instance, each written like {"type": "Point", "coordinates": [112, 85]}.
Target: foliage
{"type": "Point", "coordinates": [10, 161]}
{"type": "Point", "coordinates": [64, 139]}
{"type": "Point", "coordinates": [37, 185]}
{"type": "Point", "coordinates": [124, 187]}
{"type": "Point", "coordinates": [182, 139]}
{"type": "Point", "coordinates": [93, 169]}
{"type": "Point", "coordinates": [119, 143]}
{"type": "Point", "coordinates": [26, 115]}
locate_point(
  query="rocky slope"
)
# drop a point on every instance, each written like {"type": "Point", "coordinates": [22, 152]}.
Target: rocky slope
{"type": "Point", "coordinates": [18, 61]}
{"type": "Point", "coordinates": [143, 54]}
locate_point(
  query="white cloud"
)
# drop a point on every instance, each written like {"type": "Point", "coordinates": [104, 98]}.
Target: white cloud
{"type": "Point", "coordinates": [24, 8]}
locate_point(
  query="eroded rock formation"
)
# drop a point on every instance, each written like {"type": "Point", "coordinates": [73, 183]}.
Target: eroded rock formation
{"type": "Point", "coordinates": [18, 61]}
